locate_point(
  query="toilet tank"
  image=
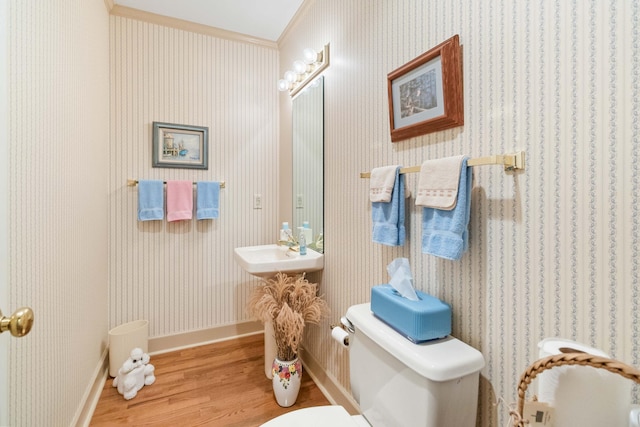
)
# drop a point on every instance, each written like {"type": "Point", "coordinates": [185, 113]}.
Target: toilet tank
{"type": "Point", "coordinates": [398, 383]}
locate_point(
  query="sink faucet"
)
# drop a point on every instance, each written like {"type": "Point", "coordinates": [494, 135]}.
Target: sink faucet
{"type": "Point", "coordinates": [291, 242]}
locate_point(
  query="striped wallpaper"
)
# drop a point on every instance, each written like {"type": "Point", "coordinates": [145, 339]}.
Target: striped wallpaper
{"type": "Point", "coordinates": [57, 152]}
{"type": "Point", "coordinates": [181, 276]}
{"type": "Point", "coordinates": [553, 249]}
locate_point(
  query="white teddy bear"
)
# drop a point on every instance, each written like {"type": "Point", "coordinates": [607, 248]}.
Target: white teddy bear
{"type": "Point", "coordinates": [135, 373]}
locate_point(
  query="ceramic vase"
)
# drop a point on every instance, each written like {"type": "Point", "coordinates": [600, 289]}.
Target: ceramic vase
{"type": "Point", "coordinates": [286, 378]}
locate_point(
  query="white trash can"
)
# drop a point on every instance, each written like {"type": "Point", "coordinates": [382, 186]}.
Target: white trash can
{"type": "Point", "coordinates": [123, 339]}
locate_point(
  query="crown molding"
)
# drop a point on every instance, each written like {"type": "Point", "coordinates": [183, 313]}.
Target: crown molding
{"type": "Point", "coordinates": [300, 13]}
{"type": "Point", "coordinates": [180, 24]}
{"type": "Point", "coordinates": [109, 5]}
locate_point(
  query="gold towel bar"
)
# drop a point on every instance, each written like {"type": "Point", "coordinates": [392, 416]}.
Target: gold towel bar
{"type": "Point", "coordinates": [513, 161]}
{"type": "Point", "coordinates": [134, 182]}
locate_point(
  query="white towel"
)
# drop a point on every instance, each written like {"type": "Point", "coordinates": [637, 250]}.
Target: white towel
{"type": "Point", "coordinates": [381, 183]}
{"type": "Point", "coordinates": [438, 183]}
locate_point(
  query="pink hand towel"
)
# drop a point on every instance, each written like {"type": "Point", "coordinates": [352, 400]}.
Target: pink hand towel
{"type": "Point", "coordinates": [179, 200]}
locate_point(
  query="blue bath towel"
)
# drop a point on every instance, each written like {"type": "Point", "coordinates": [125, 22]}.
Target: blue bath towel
{"type": "Point", "coordinates": [208, 200]}
{"type": "Point", "coordinates": [150, 200]}
{"type": "Point", "coordinates": [444, 233]}
{"type": "Point", "coordinates": [388, 217]}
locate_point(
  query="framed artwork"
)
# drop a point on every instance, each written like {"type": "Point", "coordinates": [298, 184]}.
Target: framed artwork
{"type": "Point", "coordinates": [425, 95]}
{"type": "Point", "coordinates": [180, 146]}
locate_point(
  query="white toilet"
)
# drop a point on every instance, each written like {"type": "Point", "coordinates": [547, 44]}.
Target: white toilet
{"type": "Point", "coordinates": [398, 383]}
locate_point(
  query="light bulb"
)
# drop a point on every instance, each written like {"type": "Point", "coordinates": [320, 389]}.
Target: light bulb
{"type": "Point", "coordinates": [290, 76]}
{"type": "Point", "coordinates": [300, 67]}
{"type": "Point", "coordinates": [310, 56]}
{"type": "Point", "coordinates": [283, 85]}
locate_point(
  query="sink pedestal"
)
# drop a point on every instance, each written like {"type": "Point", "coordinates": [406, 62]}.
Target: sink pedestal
{"type": "Point", "coordinates": [270, 349]}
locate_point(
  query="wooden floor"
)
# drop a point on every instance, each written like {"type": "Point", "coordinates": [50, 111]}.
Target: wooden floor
{"type": "Point", "coordinates": [220, 384]}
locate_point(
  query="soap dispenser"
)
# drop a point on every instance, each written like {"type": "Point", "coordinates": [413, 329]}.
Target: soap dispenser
{"type": "Point", "coordinates": [302, 243]}
{"type": "Point", "coordinates": [306, 230]}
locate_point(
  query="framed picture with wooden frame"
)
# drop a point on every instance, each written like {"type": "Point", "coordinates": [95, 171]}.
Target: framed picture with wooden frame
{"type": "Point", "coordinates": [426, 94]}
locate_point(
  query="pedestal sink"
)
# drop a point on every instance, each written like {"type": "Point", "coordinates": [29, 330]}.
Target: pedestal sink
{"type": "Point", "coordinates": [267, 260]}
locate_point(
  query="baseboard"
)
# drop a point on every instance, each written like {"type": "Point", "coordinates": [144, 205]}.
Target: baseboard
{"type": "Point", "coordinates": [175, 342]}
{"type": "Point", "coordinates": [92, 395]}
{"type": "Point", "coordinates": [329, 385]}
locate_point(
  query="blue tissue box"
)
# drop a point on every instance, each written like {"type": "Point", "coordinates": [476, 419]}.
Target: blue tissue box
{"type": "Point", "coordinates": [423, 320]}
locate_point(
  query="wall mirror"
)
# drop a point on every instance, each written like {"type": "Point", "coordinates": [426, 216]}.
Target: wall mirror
{"type": "Point", "coordinates": [308, 159]}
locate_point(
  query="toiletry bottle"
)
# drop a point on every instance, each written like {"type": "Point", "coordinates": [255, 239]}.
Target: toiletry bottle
{"type": "Point", "coordinates": [308, 233]}
{"type": "Point", "coordinates": [302, 242]}
{"type": "Point", "coordinates": [285, 233]}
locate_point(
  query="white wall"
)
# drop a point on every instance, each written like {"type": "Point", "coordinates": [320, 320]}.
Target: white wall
{"type": "Point", "coordinates": [58, 157]}
{"type": "Point", "coordinates": [554, 249]}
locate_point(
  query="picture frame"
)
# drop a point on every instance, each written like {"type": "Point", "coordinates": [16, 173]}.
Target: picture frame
{"type": "Point", "coordinates": [426, 94]}
{"type": "Point", "coordinates": [180, 146]}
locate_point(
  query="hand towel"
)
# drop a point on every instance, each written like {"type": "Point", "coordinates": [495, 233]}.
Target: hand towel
{"type": "Point", "coordinates": [438, 183]}
{"type": "Point", "coordinates": [150, 200]}
{"type": "Point", "coordinates": [208, 200]}
{"type": "Point", "coordinates": [179, 200]}
{"type": "Point", "coordinates": [444, 233]}
{"type": "Point", "coordinates": [381, 183]}
{"type": "Point", "coordinates": [388, 217]}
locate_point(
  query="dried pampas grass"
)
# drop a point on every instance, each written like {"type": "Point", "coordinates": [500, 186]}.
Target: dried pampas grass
{"type": "Point", "coordinates": [289, 303]}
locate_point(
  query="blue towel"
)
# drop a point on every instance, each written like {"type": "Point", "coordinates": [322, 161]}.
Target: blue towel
{"type": "Point", "coordinates": [208, 200]}
{"type": "Point", "coordinates": [444, 233]}
{"type": "Point", "coordinates": [388, 217]}
{"type": "Point", "coordinates": [150, 200]}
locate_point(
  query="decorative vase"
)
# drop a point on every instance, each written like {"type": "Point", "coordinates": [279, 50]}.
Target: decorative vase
{"type": "Point", "coordinates": [287, 376]}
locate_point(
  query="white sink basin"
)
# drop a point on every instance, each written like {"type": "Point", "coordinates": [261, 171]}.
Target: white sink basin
{"type": "Point", "coordinates": [267, 260]}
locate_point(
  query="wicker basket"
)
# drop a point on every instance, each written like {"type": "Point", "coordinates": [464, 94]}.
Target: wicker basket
{"type": "Point", "coordinates": [579, 359]}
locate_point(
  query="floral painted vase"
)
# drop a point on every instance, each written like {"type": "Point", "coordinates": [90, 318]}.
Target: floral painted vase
{"type": "Point", "coordinates": [286, 378]}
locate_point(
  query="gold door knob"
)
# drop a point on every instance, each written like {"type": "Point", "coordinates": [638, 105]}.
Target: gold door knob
{"type": "Point", "coordinates": [19, 324]}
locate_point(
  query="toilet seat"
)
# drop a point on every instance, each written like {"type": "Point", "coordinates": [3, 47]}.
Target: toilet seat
{"type": "Point", "coordinates": [317, 416]}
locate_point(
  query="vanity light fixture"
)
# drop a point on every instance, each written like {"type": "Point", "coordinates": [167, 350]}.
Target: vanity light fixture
{"type": "Point", "coordinates": [305, 70]}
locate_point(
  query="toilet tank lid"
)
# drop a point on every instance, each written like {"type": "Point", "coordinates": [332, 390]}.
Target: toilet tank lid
{"type": "Point", "coordinates": [438, 360]}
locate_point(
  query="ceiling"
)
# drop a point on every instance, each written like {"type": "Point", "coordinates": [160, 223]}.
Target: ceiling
{"type": "Point", "coordinates": [265, 19]}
